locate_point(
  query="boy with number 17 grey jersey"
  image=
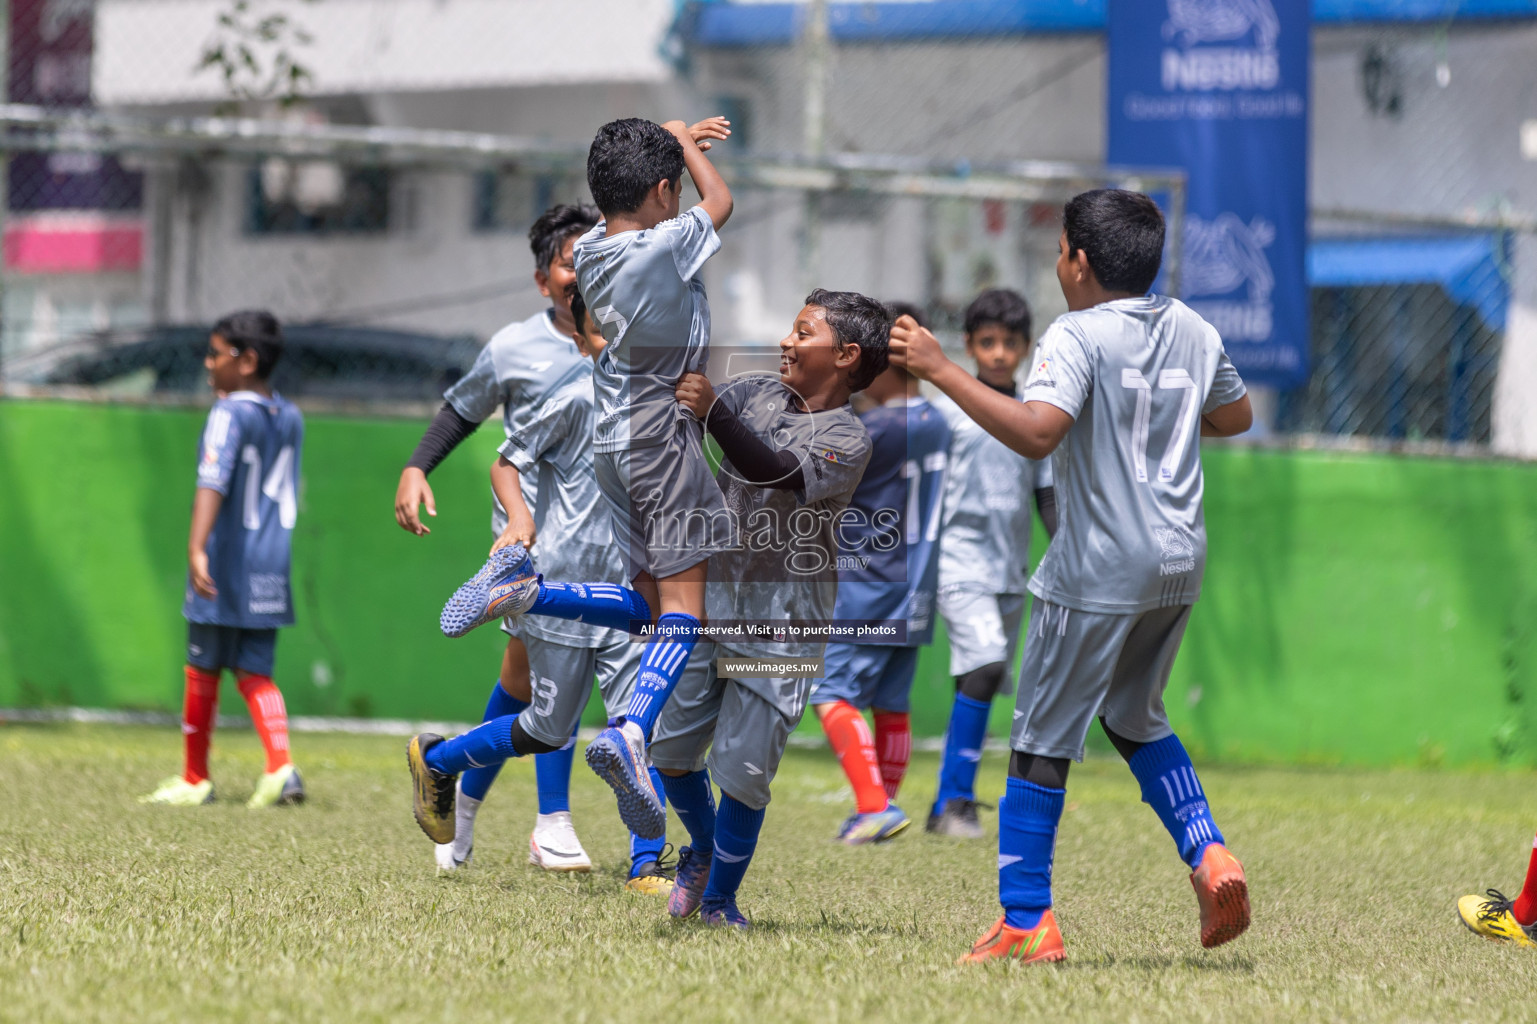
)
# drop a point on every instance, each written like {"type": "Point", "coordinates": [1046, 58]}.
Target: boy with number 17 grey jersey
{"type": "Point", "coordinates": [1123, 387]}
{"type": "Point", "coordinates": [1131, 533]}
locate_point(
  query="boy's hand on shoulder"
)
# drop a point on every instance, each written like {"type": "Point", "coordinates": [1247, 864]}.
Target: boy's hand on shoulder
{"type": "Point", "coordinates": [695, 394]}
{"type": "Point", "coordinates": [520, 530]}
{"type": "Point", "coordinates": [197, 568]}
{"type": "Point", "coordinates": [915, 349]}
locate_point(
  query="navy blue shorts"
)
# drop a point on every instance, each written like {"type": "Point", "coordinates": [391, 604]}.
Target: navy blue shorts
{"type": "Point", "coordinates": [218, 647]}
{"type": "Point", "coordinates": [867, 676]}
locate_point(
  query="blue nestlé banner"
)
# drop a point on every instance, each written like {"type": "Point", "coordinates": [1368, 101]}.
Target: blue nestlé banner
{"type": "Point", "coordinates": [1220, 87]}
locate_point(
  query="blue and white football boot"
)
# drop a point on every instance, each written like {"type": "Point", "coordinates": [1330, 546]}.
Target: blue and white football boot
{"type": "Point", "coordinates": [618, 755]}
{"type": "Point", "coordinates": [506, 585]}
{"type": "Point", "coordinates": [873, 827]}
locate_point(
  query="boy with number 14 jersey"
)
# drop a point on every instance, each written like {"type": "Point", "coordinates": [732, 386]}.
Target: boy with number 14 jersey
{"type": "Point", "coordinates": [238, 591]}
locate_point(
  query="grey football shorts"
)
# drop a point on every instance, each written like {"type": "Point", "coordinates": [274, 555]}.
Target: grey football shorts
{"type": "Point", "coordinates": [1081, 665]}
{"type": "Point", "coordinates": [560, 682]}
{"type": "Point", "coordinates": [743, 724]}
{"type": "Point", "coordinates": [983, 627]}
{"type": "Point", "coordinates": [668, 512]}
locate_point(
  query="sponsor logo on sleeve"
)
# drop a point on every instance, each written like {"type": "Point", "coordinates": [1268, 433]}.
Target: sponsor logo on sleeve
{"type": "Point", "coordinates": [1040, 377]}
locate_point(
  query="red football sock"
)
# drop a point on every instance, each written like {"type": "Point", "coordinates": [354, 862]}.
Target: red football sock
{"type": "Point", "coordinates": [894, 747]}
{"type": "Point", "coordinates": [200, 701]}
{"type": "Point", "coordinates": [1526, 904]}
{"type": "Point", "coordinates": [851, 741]}
{"type": "Point", "coordinates": [269, 716]}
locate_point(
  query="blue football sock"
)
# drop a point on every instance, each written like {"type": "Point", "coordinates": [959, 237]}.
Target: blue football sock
{"type": "Point", "coordinates": [661, 667]}
{"type": "Point", "coordinates": [963, 750]}
{"type": "Point", "coordinates": [476, 782]}
{"type": "Point", "coordinates": [552, 774]}
{"type": "Point", "coordinates": [1027, 840]}
{"type": "Point", "coordinates": [694, 800]}
{"type": "Point", "coordinates": [736, 837]}
{"type": "Point", "coordinates": [603, 604]}
{"type": "Point", "coordinates": [1170, 787]}
{"type": "Point", "coordinates": [489, 743]}
{"type": "Point", "coordinates": [644, 850]}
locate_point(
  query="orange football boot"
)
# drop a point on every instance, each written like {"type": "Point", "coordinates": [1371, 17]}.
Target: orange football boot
{"type": "Point", "coordinates": [1223, 893]}
{"type": "Point", "coordinates": [1041, 944]}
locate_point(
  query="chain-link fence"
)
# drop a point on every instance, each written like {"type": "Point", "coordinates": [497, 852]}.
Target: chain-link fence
{"type": "Point", "coordinates": [391, 252]}
{"type": "Point", "coordinates": [393, 246]}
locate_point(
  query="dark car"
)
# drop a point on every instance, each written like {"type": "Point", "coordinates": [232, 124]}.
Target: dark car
{"type": "Point", "coordinates": [329, 361]}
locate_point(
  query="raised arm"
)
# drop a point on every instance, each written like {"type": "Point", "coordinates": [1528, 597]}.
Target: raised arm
{"type": "Point", "coordinates": [1034, 429]}
{"type": "Point", "coordinates": [714, 195]}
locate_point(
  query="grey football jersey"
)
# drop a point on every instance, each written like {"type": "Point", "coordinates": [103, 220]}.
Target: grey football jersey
{"type": "Point", "coordinates": [1136, 375]}
{"type": "Point", "coordinates": [784, 569]}
{"type": "Point", "coordinates": [575, 541]}
{"type": "Point", "coordinates": [644, 290]}
{"type": "Point", "coordinates": [515, 370]}
{"type": "Point", "coordinates": [985, 527]}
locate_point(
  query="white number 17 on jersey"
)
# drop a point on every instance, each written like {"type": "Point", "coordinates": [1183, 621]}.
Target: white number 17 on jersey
{"type": "Point", "coordinates": [1168, 380]}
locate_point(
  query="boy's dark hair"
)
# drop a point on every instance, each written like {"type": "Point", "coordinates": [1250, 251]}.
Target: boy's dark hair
{"type": "Point", "coordinates": [1121, 233]}
{"type": "Point", "coordinates": [627, 158]}
{"type": "Point", "coordinates": [560, 222]}
{"type": "Point", "coordinates": [898, 308]}
{"type": "Point", "coordinates": [999, 306]}
{"type": "Point", "coordinates": [857, 320]}
{"type": "Point", "coordinates": [254, 329]}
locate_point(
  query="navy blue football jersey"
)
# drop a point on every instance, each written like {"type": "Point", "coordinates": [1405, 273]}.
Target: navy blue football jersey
{"type": "Point", "coordinates": [250, 454]}
{"type": "Point", "coordinates": [888, 565]}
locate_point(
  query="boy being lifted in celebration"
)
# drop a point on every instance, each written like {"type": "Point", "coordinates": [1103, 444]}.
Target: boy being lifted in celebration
{"type": "Point", "coordinates": [639, 274]}
{"type": "Point", "coordinates": [1122, 387]}
{"type": "Point", "coordinates": [238, 592]}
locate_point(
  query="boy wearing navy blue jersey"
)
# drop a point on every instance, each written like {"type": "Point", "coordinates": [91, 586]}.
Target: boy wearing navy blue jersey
{"type": "Point", "coordinates": [1122, 387]}
{"type": "Point", "coordinates": [238, 592]}
{"type": "Point", "coordinates": [984, 554]}
{"type": "Point", "coordinates": [888, 575]}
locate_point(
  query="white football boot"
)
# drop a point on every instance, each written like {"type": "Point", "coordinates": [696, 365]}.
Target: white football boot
{"type": "Point", "coordinates": [554, 845]}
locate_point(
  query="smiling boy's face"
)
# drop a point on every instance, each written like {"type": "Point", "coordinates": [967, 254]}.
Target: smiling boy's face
{"type": "Point", "coordinates": [557, 281]}
{"type": "Point", "coordinates": [809, 356]}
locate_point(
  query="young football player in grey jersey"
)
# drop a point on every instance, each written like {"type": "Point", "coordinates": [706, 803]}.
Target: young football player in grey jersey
{"type": "Point", "coordinates": [794, 453]}
{"type": "Point", "coordinates": [551, 448]}
{"type": "Point", "coordinates": [515, 371]}
{"type": "Point", "coordinates": [638, 272]}
{"type": "Point", "coordinates": [1122, 387]}
{"type": "Point", "coordinates": [984, 554]}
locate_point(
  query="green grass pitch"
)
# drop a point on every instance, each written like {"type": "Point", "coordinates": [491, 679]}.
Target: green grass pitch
{"type": "Point", "coordinates": [111, 911]}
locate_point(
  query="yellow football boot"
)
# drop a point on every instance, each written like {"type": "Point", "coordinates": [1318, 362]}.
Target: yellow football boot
{"type": "Point", "coordinates": [1489, 915]}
